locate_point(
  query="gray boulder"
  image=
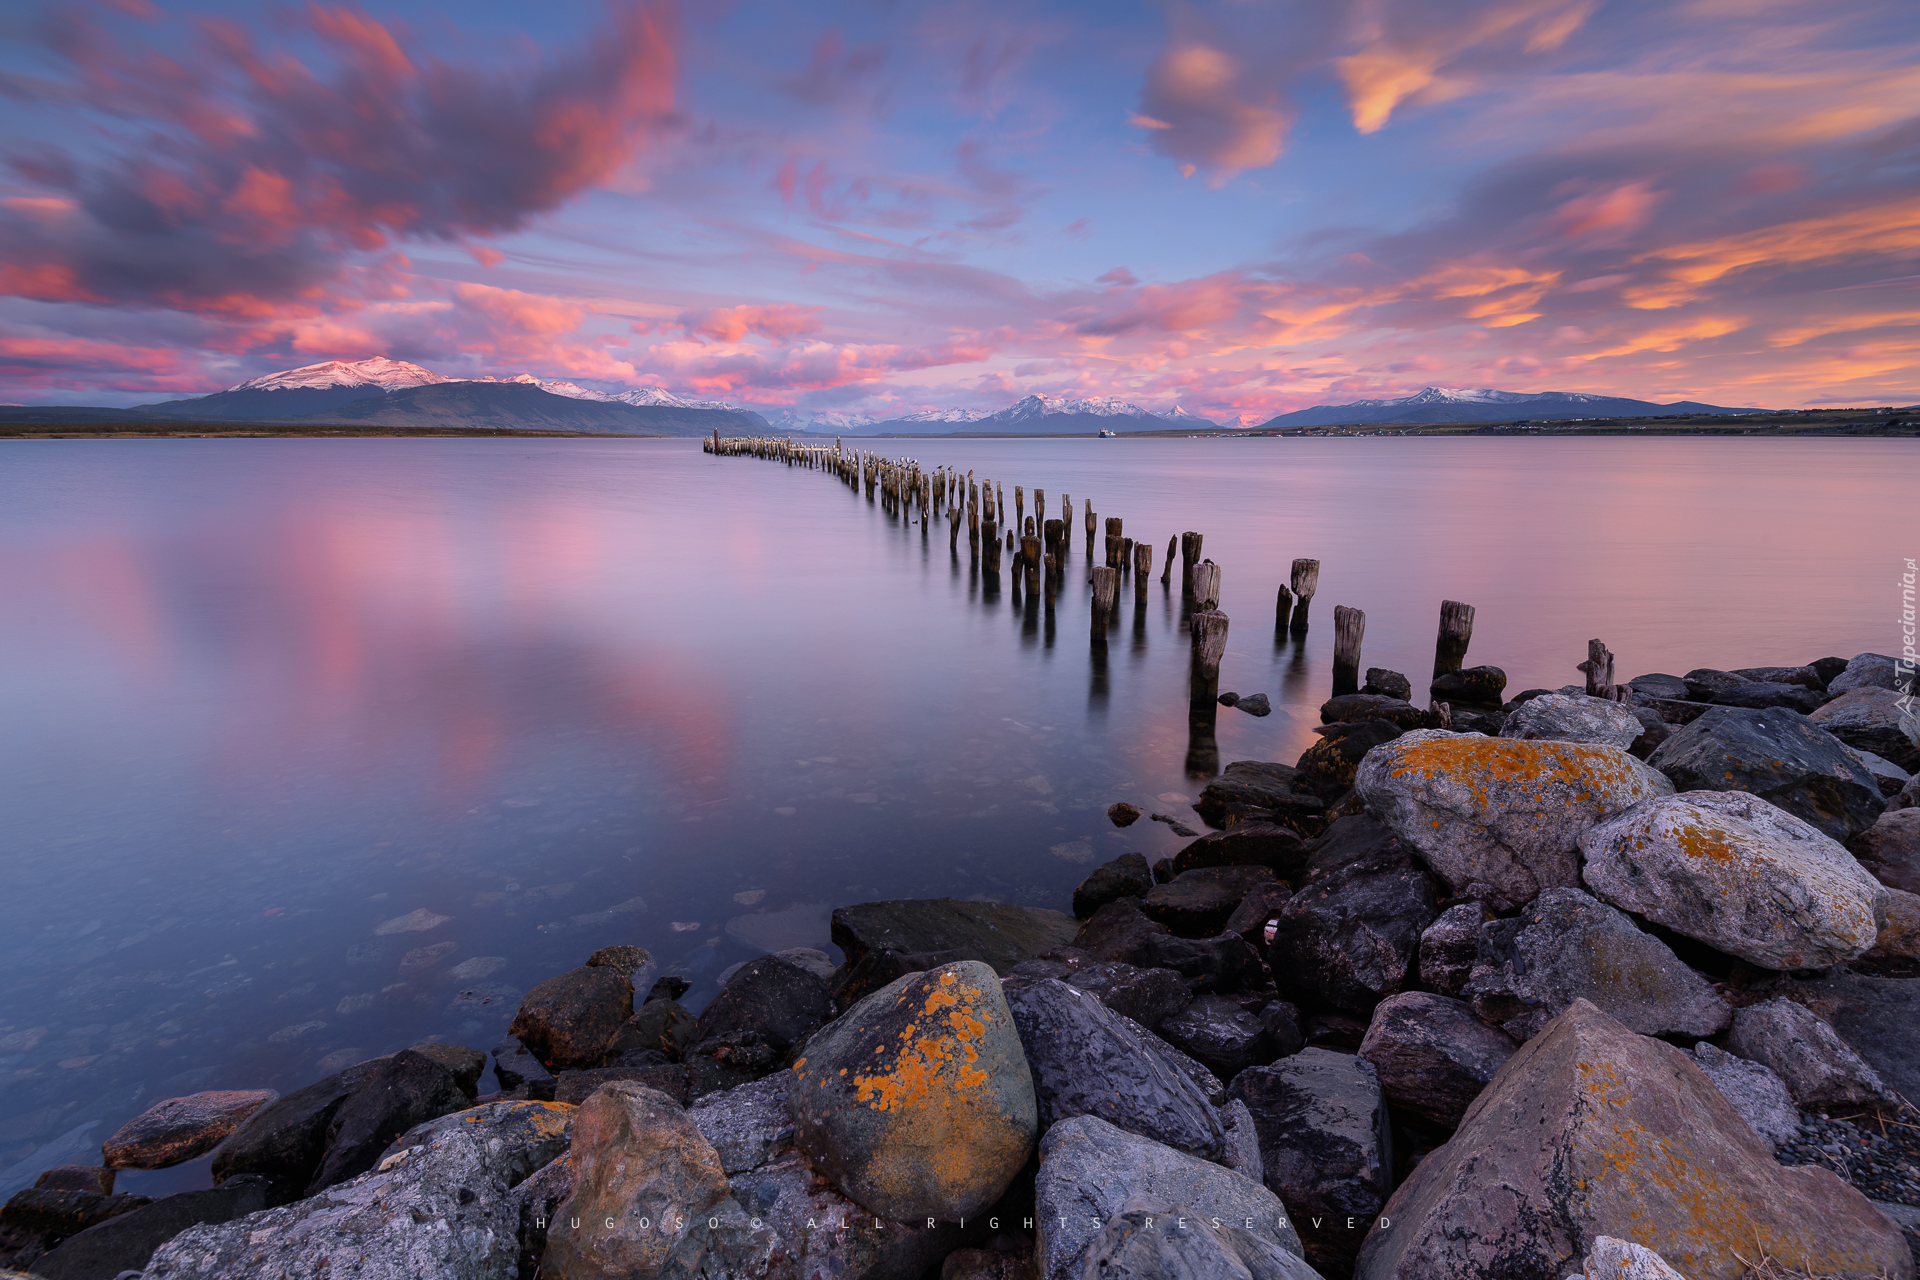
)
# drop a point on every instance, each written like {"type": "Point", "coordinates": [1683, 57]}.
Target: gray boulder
{"type": "Point", "coordinates": [1891, 777]}
{"type": "Point", "coordinates": [1909, 797]}
{"type": "Point", "coordinates": [1779, 756]}
{"type": "Point", "coordinates": [1763, 693]}
{"type": "Point", "coordinates": [1221, 1032]}
{"type": "Point", "coordinates": [745, 1124]}
{"type": "Point", "coordinates": [1876, 720]}
{"type": "Point", "coordinates": [1325, 1145]}
{"type": "Point", "coordinates": [1148, 996]}
{"type": "Point", "coordinates": [1352, 935]}
{"type": "Point", "coordinates": [1890, 849]}
{"type": "Point", "coordinates": [126, 1241]}
{"type": "Point", "coordinates": [1567, 946]}
{"type": "Point", "coordinates": [1804, 675]}
{"type": "Point", "coordinates": [1760, 1096]}
{"type": "Point", "coordinates": [1612, 1259]}
{"type": "Point", "coordinates": [817, 1232]}
{"type": "Point", "coordinates": [1091, 1171]}
{"type": "Point", "coordinates": [997, 934]}
{"type": "Point", "coordinates": [1864, 671]}
{"type": "Point", "coordinates": [1659, 686]}
{"type": "Point", "coordinates": [1819, 1068]}
{"type": "Point", "coordinates": [1573, 718]}
{"type": "Point", "coordinates": [1498, 812]}
{"type": "Point", "coordinates": [1879, 1018]}
{"type": "Point", "coordinates": [1450, 945]}
{"type": "Point", "coordinates": [1739, 874]}
{"type": "Point", "coordinates": [1433, 1055]}
{"type": "Point", "coordinates": [1151, 1241]}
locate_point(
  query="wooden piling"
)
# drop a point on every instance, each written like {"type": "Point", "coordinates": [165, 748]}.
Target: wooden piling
{"type": "Point", "coordinates": [1599, 669]}
{"type": "Point", "coordinates": [1030, 555]}
{"type": "Point", "coordinates": [1282, 609]}
{"type": "Point", "coordinates": [1106, 581]}
{"type": "Point", "coordinates": [1349, 627]}
{"type": "Point", "coordinates": [1019, 506]}
{"type": "Point", "coordinates": [1456, 631]}
{"type": "Point", "coordinates": [1209, 630]}
{"type": "Point", "coordinates": [1189, 555]}
{"type": "Point", "coordinates": [1113, 547]}
{"type": "Point", "coordinates": [1166, 574]}
{"type": "Point", "coordinates": [1090, 520]}
{"type": "Point", "coordinates": [1040, 507]}
{"type": "Point", "coordinates": [1126, 556]}
{"type": "Point", "coordinates": [1142, 570]}
{"type": "Point", "coordinates": [1306, 580]}
{"type": "Point", "coordinates": [1206, 586]}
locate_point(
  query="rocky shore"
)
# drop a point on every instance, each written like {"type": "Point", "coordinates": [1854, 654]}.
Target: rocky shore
{"type": "Point", "coordinates": [1515, 988]}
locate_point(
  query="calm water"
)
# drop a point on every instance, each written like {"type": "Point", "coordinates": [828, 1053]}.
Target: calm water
{"type": "Point", "coordinates": [259, 699]}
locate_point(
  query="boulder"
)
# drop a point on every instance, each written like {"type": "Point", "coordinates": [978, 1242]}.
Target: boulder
{"type": "Point", "coordinates": [772, 996]}
{"type": "Point", "coordinates": [1879, 1018]}
{"type": "Point", "coordinates": [126, 1241]}
{"type": "Point", "coordinates": [1356, 841]}
{"type": "Point", "coordinates": [1116, 931]}
{"type": "Point", "coordinates": [1450, 945]}
{"type": "Point", "coordinates": [567, 1020]}
{"type": "Point", "coordinates": [1123, 815]}
{"type": "Point", "coordinates": [1891, 777]}
{"type": "Point", "coordinates": [1890, 849]}
{"type": "Point", "coordinates": [438, 1206]}
{"type": "Point", "coordinates": [1659, 686]}
{"type": "Point", "coordinates": [746, 1124]}
{"type": "Point", "coordinates": [1328, 766]}
{"type": "Point", "coordinates": [1432, 1054]}
{"type": "Point", "coordinates": [1260, 908]}
{"type": "Point", "coordinates": [179, 1129]}
{"type": "Point", "coordinates": [77, 1177]}
{"type": "Point", "coordinates": [996, 934]}
{"type": "Point", "coordinates": [1148, 1240]}
{"type": "Point", "coordinates": [1804, 676]}
{"type": "Point", "coordinates": [728, 1061]}
{"type": "Point", "coordinates": [1654, 730]}
{"type": "Point", "coordinates": [1497, 812]}
{"type": "Point", "coordinates": [1612, 1259]}
{"type": "Point", "coordinates": [466, 1065]}
{"type": "Point", "coordinates": [1704, 682]}
{"type": "Point", "coordinates": [1119, 932]}
{"type": "Point", "coordinates": [1819, 1068]}
{"type": "Point", "coordinates": [1325, 1145]}
{"type": "Point", "coordinates": [1352, 935]}
{"type": "Point", "coordinates": [1258, 784]}
{"type": "Point", "coordinates": [1874, 719]}
{"type": "Point", "coordinates": [662, 1025]}
{"type": "Point", "coordinates": [1248, 844]}
{"type": "Point", "coordinates": [1562, 717]}
{"type": "Point", "coordinates": [1779, 756]}
{"type": "Point", "coordinates": [1221, 1032]}
{"type": "Point", "coordinates": [1391, 684]}
{"type": "Point", "coordinates": [402, 1091]}
{"type": "Point", "coordinates": [37, 1219]}
{"type": "Point", "coordinates": [1591, 1130]}
{"type": "Point", "coordinates": [1127, 876]}
{"type": "Point", "coordinates": [1865, 671]}
{"type": "Point", "coordinates": [1759, 693]}
{"type": "Point", "coordinates": [1909, 797]}
{"type": "Point", "coordinates": [1354, 707]}
{"type": "Point", "coordinates": [1255, 704]}
{"type": "Point", "coordinates": [1899, 935]}
{"type": "Point", "coordinates": [575, 1087]}
{"type": "Point", "coordinates": [1739, 874]}
{"type": "Point", "coordinates": [1088, 1060]}
{"type": "Point", "coordinates": [1471, 686]}
{"type": "Point", "coordinates": [1567, 946]}
{"type": "Point", "coordinates": [635, 962]}
{"type": "Point", "coordinates": [1827, 668]}
{"type": "Point", "coordinates": [1147, 996]}
{"type": "Point", "coordinates": [1090, 1171]}
{"type": "Point", "coordinates": [918, 1102]}
{"type": "Point", "coordinates": [821, 1232]}
{"type": "Point", "coordinates": [1760, 1096]}
{"type": "Point", "coordinates": [667, 987]}
{"type": "Point", "coordinates": [1196, 904]}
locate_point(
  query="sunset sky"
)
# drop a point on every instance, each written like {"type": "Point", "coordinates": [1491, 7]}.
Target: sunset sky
{"type": "Point", "coordinates": [1241, 207]}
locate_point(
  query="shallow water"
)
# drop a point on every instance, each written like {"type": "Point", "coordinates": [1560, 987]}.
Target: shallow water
{"type": "Point", "coordinates": [270, 709]}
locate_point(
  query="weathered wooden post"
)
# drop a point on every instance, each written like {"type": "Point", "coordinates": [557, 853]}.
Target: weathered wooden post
{"type": "Point", "coordinates": [1206, 586]}
{"type": "Point", "coordinates": [1066, 515]}
{"type": "Point", "coordinates": [1019, 506]}
{"type": "Point", "coordinates": [1126, 556]}
{"type": "Point", "coordinates": [1090, 520]}
{"type": "Point", "coordinates": [1166, 574]}
{"type": "Point", "coordinates": [1209, 629]}
{"type": "Point", "coordinates": [1000, 502]}
{"type": "Point", "coordinates": [1030, 557]}
{"type": "Point", "coordinates": [1189, 554]}
{"type": "Point", "coordinates": [1306, 580]}
{"type": "Point", "coordinates": [1349, 627]}
{"type": "Point", "coordinates": [1106, 581]}
{"type": "Point", "coordinates": [1282, 610]}
{"type": "Point", "coordinates": [990, 549]}
{"type": "Point", "coordinates": [1142, 570]}
{"type": "Point", "coordinates": [1040, 507]}
{"type": "Point", "coordinates": [1456, 632]}
{"type": "Point", "coordinates": [1113, 547]}
{"type": "Point", "coordinates": [1599, 669]}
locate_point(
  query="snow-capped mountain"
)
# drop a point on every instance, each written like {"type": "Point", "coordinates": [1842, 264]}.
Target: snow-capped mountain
{"type": "Point", "coordinates": [1044, 414]}
{"type": "Point", "coordinates": [820, 421]}
{"type": "Point", "coordinates": [374, 371]}
{"type": "Point", "coordinates": [1039, 406]}
{"type": "Point", "coordinates": [312, 388]}
{"type": "Point", "coordinates": [945, 415]}
{"type": "Point", "coordinates": [668, 400]}
{"type": "Point", "coordinates": [1484, 404]}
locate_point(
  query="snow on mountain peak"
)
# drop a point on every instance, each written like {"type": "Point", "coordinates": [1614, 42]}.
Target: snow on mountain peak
{"type": "Point", "coordinates": [374, 371]}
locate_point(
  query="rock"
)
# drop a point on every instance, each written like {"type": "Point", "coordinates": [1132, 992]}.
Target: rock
{"type": "Point", "coordinates": [639, 1162]}
{"type": "Point", "coordinates": [1703, 682]}
{"type": "Point", "coordinates": [1195, 904]}
{"type": "Point", "coordinates": [1879, 1018]}
{"type": "Point", "coordinates": [1090, 1171]}
{"type": "Point", "coordinates": [1472, 686]}
{"type": "Point", "coordinates": [670, 987]}
{"type": "Point", "coordinates": [1390, 684]}
{"type": "Point", "coordinates": [728, 1061]}
{"type": "Point", "coordinates": [918, 1102]}
{"type": "Point", "coordinates": [1450, 945]}
{"type": "Point", "coordinates": [536, 1201]}
{"type": "Point", "coordinates": [627, 959]}
{"type": "Point", "coordinates": [1284, 1033]}
{"type": "Point", "coordinates": [1654, 730]}
{"type": "Point", "coordinates": [745, 1124]}
{"type": "Point", "coordinates": [1163, 871]}
{"type": "Point", "coordinates": [1326, 1147]}
{"type": "Point", "coordinates": [1659, 685]}
{"type": "Point", "coordinates": [812, 959]}
{"type": "Point", "coordinates": [1154, 1241]}
{"type": "Point", "coordinates": [1779, 756]}
{"type": "Point", "coordinates": [1224, 1035]}
{"type": "Point", "coordinates": [126, 1241]}
{"type": "Point", "coordinates": [1735, 872]}
{"type": "Point", "coordinates": [1148, 996]}
{"type": "Point", "coordinates": [1228, 699]}
{"type": "Point", "coordinates": [986, 1264]}
{"type": "Point", "coordinates": [567, 1020]}
{"type": "Point", "coordinates": [1250, 844]}
{"type": "Point", "coordinates": [1433, 1055]}
{"type": "Point", "coordinates": [1261, 907]}
{"type": "Point", "coordinates": [38, 1219]}
{"type": "Point", "coordinates": [1119, 932]}
{"type": "Point", "coordinates": [1907, 1218]}
{"type": "Point", "coordinates": [1243, 1142]}
{"type": "Point", "coordinates": [1865, 671]}
{"type": "Point", "coordinates": [1873, 719]}
{"type": "Point", "coordinates": [1567, 946]}
{"type": "Point", "coordinates": [774, 997]}
{"type": "Point", "coordinates": [179, 1129]}
{"type": "Point", "coordinates": [1891, 777]}
{"type": "Point", "coordinates": [575, 1087]}
{"type": "Point", "coordinates": [1804, 676]}
{"type": "Point", "coordinates": [660, 1025]}
{"type": "Point", "coordinates": [467, 1065]}
{"type": "Point", "coordinates": [1179, 828]}
{"type": "Point", "coordinates": [438, 1206]}
{"type": "Point", "coordinates": [994, 933]}
{"type": "Point", "coordinates": [1356, 841]}
{"type": "Point", "coordinates": [1497, 812]}
{"type": "Point", "coordinates": [1819, 1068]}
{"type": "Point", "coordinates": [287, 1140]}
{"type": "Point", "coordinates": [1255, 704]}
{"type": "Point", "coordinates": [400, 1092]}
{"type": "Point", "coordinates": [1760, 1096]}
{"type": "Point", "coordinates": [1909, 797]}
{"type": "Point", "coordinates": [1354, 707]}
{"type": "Point", "coordinates": [514, 1067]}
{"type": "Point", "coordinates": [854, 982]}
{"type": "Point", "coordinates": [1123, 815]}
{"type": "Point", "coordinates": [1116, 930]}
{"type": "Point", "coordinates": [1352, 935]}
{"type": "Point", "coordinates": [828, 1235]}
{"type": "Point", "coordinates": [1755, 693]}
{"type": "Point", "coordinates": [1591, 1130]}
{"type": "Point", "coordinates": [1899, 934]}
{"type": "Point", "coordinates": [1574, 718]}
{"type": "Point", "coordinates": [1670, 711]}
{"type": "Point", "coordinates": [1890, 849]}
{"type": "Point", "coordinates": [1827, 669]}
{"type": "Point", "coordinates": [77, 1177]}
{"type": "Point", "coordinates": [1088, 1060]}
{"type": "Point", "coordinates": [1260, 784]}
{"type": "Point", "coordinates": [1328, 766]}
{"type": "Point", "coordinates": [1612, 1259]}
{"type": "Point", "coordinates": [1127, 876]}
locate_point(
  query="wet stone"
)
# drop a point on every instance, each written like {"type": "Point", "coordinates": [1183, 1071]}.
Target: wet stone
{"type": "Point", "coordinates": [1196, 904]}
{"type": "Point", "coordinates": [1127, 876]}
{"type": "Point", "coordinates": [180, 1129]}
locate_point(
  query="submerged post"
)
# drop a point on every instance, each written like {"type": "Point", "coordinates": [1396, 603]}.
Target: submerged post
{"type": "Point", "coordinates": [1106, 581]}
{"type": "Point", "coordinates": [1206, 586]}
{"type": "Point", "coordinates": [1349, 627]}
{"type": "Point", "coordinates": [1306, 580]}
{"type": "Point", "coordinates": [1090, 519]}
{"type": "Point", "coordinates": [1040, 507]}
{"type": "Point", "coordinates": [1209, 642]}
{"type": "Point", "coordinates": [1189, 555]}
{"type": "Point", "coordinates": [1282, 610]}
{"type": "Point", "coordinates": [1456, 631]}
{"type": "Point", "coordinates": [1142, 570]}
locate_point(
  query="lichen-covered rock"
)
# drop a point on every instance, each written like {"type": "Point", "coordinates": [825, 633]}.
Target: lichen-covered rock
{"type": "Point", "coordinates": [1450, 945]}
{"type": "Point", "coordinates": [1153, 1241]}
{"type": "Point", "coordinates": [1328, 766]}
{"type": "Point", "coordinates": [1567, 946]}
{"type": "Point", "coordinates": [918, 1102]}
{"type": "Point", "coordinates": [1739, 874]}
{"type": "Point", "coordinates": [1612, 1259]}
{"type": "Point", "coordinates": [1876, 720]}
{"type": "Point", "coordinates": [1760, 1096]}
{"type": "Point", "coordinates": [1564, 717]}
{"type": "Point", "coordinates": [179, 1129]}
{"type": "Point", "coordinates": [1819, 1068]}
{"type": "Point", "coordinates": [1781, 757]}
{"type": "Point", "coordinates": [1433, 1055]}
{"type": "Point", "coordinates": [1591, 1130]}
{"type": "Point", "coordinates": [567, 1020]}
{"type": "Point", "coordinates": [1500, 813]}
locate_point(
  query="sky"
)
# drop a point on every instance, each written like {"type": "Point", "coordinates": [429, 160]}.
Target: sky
{"type": "Point", "coordinates": [1239, 208]}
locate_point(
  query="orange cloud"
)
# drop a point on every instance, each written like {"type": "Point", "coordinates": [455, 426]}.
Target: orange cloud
{"type": "Point", "coordinates": [731, 324]}
{"type": "Point", "coordinates": [1199, 109]}
{"type": "Point", "coordinates": [1891, 229]}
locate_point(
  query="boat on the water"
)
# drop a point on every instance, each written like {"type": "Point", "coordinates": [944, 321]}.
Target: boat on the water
{"type": "Point", "coordinates": [1108, 435]}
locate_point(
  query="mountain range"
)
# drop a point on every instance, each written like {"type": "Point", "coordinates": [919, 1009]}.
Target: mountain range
{"type": "Point", "coordinates": [1035, 415]}
{"type": "Point", "coordinates": [1456, 404]}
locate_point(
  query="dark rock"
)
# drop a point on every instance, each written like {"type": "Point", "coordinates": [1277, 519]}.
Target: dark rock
{"type": "Point", "coordinates": [728, 1061]}
{"type": "Point", "coordinates": [779, 1000]}
{"type": "Point", "coordinates": [995, 933]}
{"type": "Point", "coordinates": [1356, 841]}
{"type": "Point", "coordinates": [513, 1066]}
{"type": "Point", "coordinates": [1353, 708]}
{"type": "Point", "coordinates": [1127, 876]}
{"type": "Point", "coordinates": [1326, 1147]}
{"type": "Point", "coordinates": [1263, 785]}
{"type": "Point", "coordinates": [1827, 669]}
{"type": "Point", "coordinates": [1221, 1033]}
{"type": "Point", "coordinates": [1879, 1018]}
{"type": "Point", "coordinates": [1145, 995]}
{"type": "Point", "coordinates": [179, 1129]}
{"type": "Point", "coordinates": [1174, 824]}
{"type": "Point", "coordinates": [1471, 686]}
{"type": "Point", "coordinates": [1260, 908]}
{"type": "Point", "coordinates": [1659, 685]}
{"type": "Point", "coordinates": [1820, 1069]}
{"type": "Point", "coordinates": [1485, 721]}
{"type": "Point", "coordinates": [1890, 849]}
{"type": "Point", "coordinates": [1163, 869]}
{"type": "Point", "coordinates": [1161, 1242]}
{"type": "Point", "coordinates": [1228, 699]}
{"type": "Point", "coordinates": [1197, 903]}
{"type": "Point", "coordinates": [567, 1020]}
{"type": "Point", "coordinates": [1703, 682]}
{"type": "Point", "coordinates": [1870, 718]}
{"type": "Point", "coordinates": [661, 1025]}
{"type": "Point", "coordinates": [823, 1233]}
{"type": "Point", "coordinates": [629, 960]}
{"type": "Point", "coordinates": [1088, 1060]}
{"type": "Point", "coordinates": [1284, 1035]}
{"type": "Point", "coordinates": [1805, 677]}
{"type": "Point", "coordinates": [287, 1140]}
{"type": "Point", "coordinates": [126, 1241]}
{"type": "Point", "coordinates": [1247, 844]}
{"type": "Point", "coordinates": [1654, 730]}
{"type": "Point", "coordinates": [855, 981]}
{"type": "Point", "coordinates": [1352, 935]}
{"type": "Point", "coordinates": [1256, 704]}
{"type": "Point", "coordinates": [1909, 797]}
{"type": "Point", "coordinates": [467, 1065]}
{"type": "Point", "coordinates": [1756, 693]}
{"type": "Point", "coordinates": [1116, 930]}
{"type": "Point", "coordinates": [986, 1264]}
{"type": "Point", "coordinates": [746, 1124]}
{"type": "Point", "coordinates": [670, 987]}
{"type": "Point", "coordinates": [1671, 711]}
{"type": "Point", "coordinates": [1123, 815]}
{"type": "Point", "coordinates": [575, 1087]}
{"type": "Point", "coordinates": [1891, 777]}
{"type": "Point", "coordinates": [1206, 964]}
{"type": "Point", "coordinates": [1867, 671]}
{"type": "Point", "coordinates": [1334, 1031]}
{"type": "Point", "coordinates": [1450, 945]}
{"type": "Point", "coordinates": [1328, 766]}
{"type": "Point", "coordinates": [399, 1093]}
{"type": "Point", "coordinates": [1390, 684]}
{"type": "Point", "coordinates": [77, 1177]}
{"type": "Point", "coordinates": [1779, 756]}
{"type": "Point", "coordinates": [1433, 1055]}
{"type": "Point", "coordinates": [36, 1220]}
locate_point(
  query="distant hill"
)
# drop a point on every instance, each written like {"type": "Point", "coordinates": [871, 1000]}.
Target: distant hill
{"type": "Point", "coordinates": [1041, 415]}
{"type": "Point", "coordinates": [1453, 404]}
{"type": "Point", "coordinates": [308, 389]}
{"type": "Point", "coordinates": [526, 407]}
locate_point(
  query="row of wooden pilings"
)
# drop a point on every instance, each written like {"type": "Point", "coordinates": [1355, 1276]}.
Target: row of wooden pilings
{"type": "Point", "coordinates": [1039, 549]}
